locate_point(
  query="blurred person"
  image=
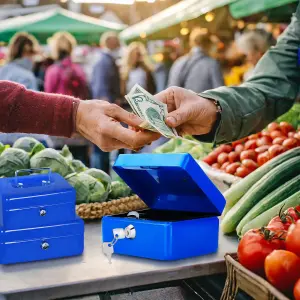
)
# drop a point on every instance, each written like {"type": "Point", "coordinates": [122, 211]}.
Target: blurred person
{"type": "Point", "coordinates": [21, 51]}
{"type": "Point", "coordinates": [105, 85]}
{"type": "Point", "coordinates": [253, 45]}
{"type": "Point", "coordinates": [136, 69]}
{"type": "Point", "coordinates": [106, 77]}
{"type": "Point", "coordinates": [196, 70]}
{"type": "Point", "coordinates": [65, 77]}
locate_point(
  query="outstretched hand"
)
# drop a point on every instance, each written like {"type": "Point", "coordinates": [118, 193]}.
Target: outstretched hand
{"type": "Point", "coordinates": [100, 122]}
{"type": "Point", "coordinates": [188, 112]}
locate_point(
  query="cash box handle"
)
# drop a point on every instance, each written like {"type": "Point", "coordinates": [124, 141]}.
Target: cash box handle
{"type": "Point", "coordinates": [44, 182]}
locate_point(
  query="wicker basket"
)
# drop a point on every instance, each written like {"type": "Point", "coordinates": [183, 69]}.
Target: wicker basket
{"type": "Point", "coordinates": [92, 211]}
{"type": "Point", "coordinates": [238, 277]}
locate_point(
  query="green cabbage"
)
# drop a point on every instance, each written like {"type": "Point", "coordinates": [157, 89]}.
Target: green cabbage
{"type": "Point", "coordinates": [50, 158]}
{"type": "Point", "coordinates": [26, 143]}
{"type": "Point", "coordinates": [66, 153]}
{"type": "Point", "coordinates": [88, 189]}
{"type": "Point", "coordinates": [100, 175]}
{"type": "Point", "coordinates": [78, 165]}
{"type": "Point", "coordinates": [119, 189]}
{"type": "Point", "coordinates": [11, 160]}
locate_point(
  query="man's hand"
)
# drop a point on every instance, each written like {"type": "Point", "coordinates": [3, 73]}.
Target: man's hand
{"type": "Point", "coordinates": [188, 113]}
{"type": "Point", "coordinates": [99, 122]}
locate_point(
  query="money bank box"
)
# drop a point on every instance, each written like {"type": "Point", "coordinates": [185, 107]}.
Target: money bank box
{"type": "Point", "coordinates": [38, 219]}
{"type": "Point", "coordinates": [184, 205]}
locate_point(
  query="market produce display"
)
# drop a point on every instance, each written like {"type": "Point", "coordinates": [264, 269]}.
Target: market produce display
{"type": "Point", "coordinates": [273, 251]}
{"type": "Point", "coordinates": [91, 185]}
{"type": "Point", "coordinates": [244, 156]}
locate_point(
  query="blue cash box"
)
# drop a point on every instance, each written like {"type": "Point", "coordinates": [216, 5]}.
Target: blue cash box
{"type": "Point", "coordinates": [38, 219]}
{"type": "Point", "coordinates": [184, 205]}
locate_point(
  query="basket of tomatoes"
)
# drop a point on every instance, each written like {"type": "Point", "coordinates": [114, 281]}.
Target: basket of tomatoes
{"type": "Point", "coordinates": [267, 263]}
{"type": "Point", "coordinates": [242, 157]}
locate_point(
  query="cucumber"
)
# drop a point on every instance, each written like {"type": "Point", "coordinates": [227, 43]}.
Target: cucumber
{"type": "Point", "coordinates": [265, 217]}
{"type": "Point", "coordinates": [237, 191]}
{"type": "Point", "coordinates": [286, 190]}
{"type": "Point", "coordinates": [278, 176]}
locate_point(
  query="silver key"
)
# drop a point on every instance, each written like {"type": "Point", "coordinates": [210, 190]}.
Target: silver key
{"type": "Point", "coordinates": [108, 250]}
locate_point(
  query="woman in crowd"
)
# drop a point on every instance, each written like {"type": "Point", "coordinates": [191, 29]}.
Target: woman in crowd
{"type": "Point", "coordinates": [136, 68]}
{"type": "Point", "coordinates": [65, 77]}
{"type": "Point", "coordinates": [21, 51]}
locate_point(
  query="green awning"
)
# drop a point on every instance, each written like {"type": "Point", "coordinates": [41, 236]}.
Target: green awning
{"type": "Point", "coordinates": [245, 8]}
{"type": "Point", "coordinates": [183, 11]}
{"type": "Point", "coordinates": [44, 24]}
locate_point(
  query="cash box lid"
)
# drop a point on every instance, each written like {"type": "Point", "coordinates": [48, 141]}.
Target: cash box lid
{"type": "Point", "coordinates": [170, 182]}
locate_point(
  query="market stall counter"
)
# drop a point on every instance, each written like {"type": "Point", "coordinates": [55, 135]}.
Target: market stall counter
{"type": "Point", "coordinates": [92, 273]}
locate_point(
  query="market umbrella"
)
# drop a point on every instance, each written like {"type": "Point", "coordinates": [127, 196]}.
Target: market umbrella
{"type": "Point", "coordinates": [44, 24]}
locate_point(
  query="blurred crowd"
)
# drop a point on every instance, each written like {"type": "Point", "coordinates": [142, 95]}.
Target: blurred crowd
{"type": "Point", "coordinates": [113, 70]}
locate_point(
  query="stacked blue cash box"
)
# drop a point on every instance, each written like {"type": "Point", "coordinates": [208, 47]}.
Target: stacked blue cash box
{"type": "Point", "coordinates": [184, 207]}
{"type": "Point", "coordinates": [38, 219]}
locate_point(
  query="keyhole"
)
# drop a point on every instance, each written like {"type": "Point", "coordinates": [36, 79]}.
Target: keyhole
{"type": "Point", "coordinates": [45, 246]}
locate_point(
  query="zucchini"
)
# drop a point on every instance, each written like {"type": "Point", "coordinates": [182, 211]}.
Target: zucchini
{"type": "Point", "coordinates": [278, 176]}
{"type": "Point", "coordinates": [237, 191]}
{"type": "Point", "coordinates": [265, 217]}
{"type": "Point", "coordinates": [282, 192]}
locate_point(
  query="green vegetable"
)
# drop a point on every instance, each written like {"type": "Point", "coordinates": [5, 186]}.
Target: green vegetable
{"type": "Point", "coordinates": [237, 191]}
{"type": "Point", "coordinates": [2, 148]}
{"type": "Point", "coordinates": [168, 147]}
{"type": "Point", "coordinates": [78, 165]}
{"type": "Point", "coordinates": [37, 148]}
{"type": "Point", "coordinates": [119, 189]}
{"type": "Point", "coordinates": [292, 116]}
{"type": "Point", "coordinates": [275, 197]}
{"type": "Point", "coordinates": [66, 153]}
{"type": "Point", "coordinates": [26, 143]}
{"type": "Point", "coordinates": [100, 175]}
{"type": "Point", "coordinates": [50, 158]}
{"type": "Point", "coordinates": [11, 160]}
{"type": "Point", "coordinates": [265, 217]}
{"type": "Point", "coordinates": [88, 189]}
{"type": "Point", "coordinates": [278, 176]}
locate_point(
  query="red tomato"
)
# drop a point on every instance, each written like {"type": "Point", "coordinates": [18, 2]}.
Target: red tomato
{"type": "Point", "coordinates": [297, 136]}
{"type": "Point", "coordinates": [291, 134]}
{"type": "Point", "coordinates": [290, 143]}
{"type": "Point", "coordinates": [251, 144]}
{"type": "Point", "coordinates": [222, 158]}
{"type": "Point", "coordinates": [225, 148]}
{"type": "Point", "coordinates": [278, 141]}
{"type": "Point", "coordinates": [293, 239]}
{"type": "Point", "coordinates": [265, 133]}
{"type": "Point", "coordinates": [233, 156]}
{"type": "Point", "coordinates": [281, 222]}
{"type": "Point", "coordinates": [238, 142]}
{"type": "Point", "coordinates": [231, 168]}
{"type": "Point", "coordinates": [239, 148]}
{"type": "Point", "coordinates": [293, 212]}
{"type": "Point", "coordinates": [262, 158]}
{"type": "Point", "coordinates": [262, 149]}
{"type": "Point", "coordinates": [223, 167]}
{"type": "Point", "coordinates": [216, 165]}
{"type": "Point", "coordinates": [217, 151]}
{"type": "Point", "coordinates": [273, 126]}
{"type": "Point", "coordinates": [275, 150]}
{"type": "Point", "coordinates": [254, 136]}
{"type": "Point", "coordinates": [251, 154]}
{"type": "Point", "coordinates": [276, 133]}
{"type": "Point", "coordinates": [210, 158]}
{"type": "Point", "coordinates": [242, 172]}
{"type": "Point", "coordinates": [297, 290]}
{"type": "Point", "coordinates": [255, 246]}
{"type": "Point", "coordinates": [282, 269]}
{"type": "Point", "coordinates": [250, 164]}
{"type": "Point", "coordinates": [265, 140]}
{"type": "Point", "coordinates": [286, 127]}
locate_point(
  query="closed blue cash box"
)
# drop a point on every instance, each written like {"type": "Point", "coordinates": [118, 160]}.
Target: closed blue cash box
{"type": "Point", "coordinates": [38, 219]}
{"type": "Point", "coordinates": [184, 205]}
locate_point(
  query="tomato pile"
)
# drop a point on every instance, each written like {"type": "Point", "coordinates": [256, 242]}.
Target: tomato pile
{"type": "Point", "coordinates": [274, 251]}
{"type": "Point", "coordinates": [242, 157]}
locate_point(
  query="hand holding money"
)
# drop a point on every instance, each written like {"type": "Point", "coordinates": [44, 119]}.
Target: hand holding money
{"type": "Point", "coordinates": [151, 110]}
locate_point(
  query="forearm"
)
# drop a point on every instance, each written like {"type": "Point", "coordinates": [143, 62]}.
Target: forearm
{"type": "Point", "coordinates": [26, 111]}
{"type": "Point", "coordinates": [268, 94]}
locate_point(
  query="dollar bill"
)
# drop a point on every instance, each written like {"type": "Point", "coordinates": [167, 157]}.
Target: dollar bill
{"type": "Point", "coordinates": [151, 110]}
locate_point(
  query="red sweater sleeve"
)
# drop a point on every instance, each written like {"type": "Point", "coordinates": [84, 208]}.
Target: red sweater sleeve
{"type": "Point", "coordinates": [27, 111]}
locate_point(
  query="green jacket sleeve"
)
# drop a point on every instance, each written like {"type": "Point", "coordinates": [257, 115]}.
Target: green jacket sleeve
{"type": "Point", "coordinates": [269, 93]}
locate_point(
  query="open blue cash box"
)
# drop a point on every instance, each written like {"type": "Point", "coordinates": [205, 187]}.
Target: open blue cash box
{"type": "Point", "coordinates": [184, 205]}
{"type": "Point", "coordinates": [37, 218]}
